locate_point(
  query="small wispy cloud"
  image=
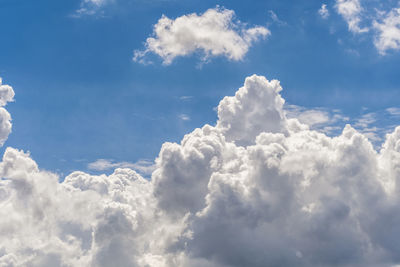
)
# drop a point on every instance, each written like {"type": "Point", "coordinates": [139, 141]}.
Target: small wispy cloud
{"type": "Point", "coordinates": [323, 12]}
{"type": "Point", "coordinates": [365, 120]}
{"type": "Point", "coordinates": [144, 167]}
{"type": "Point", "coordinates": [185, 97]}
{"type": "Point", "coordinates": [184, 117]}
{"type": "Point", "coordinates": [393, 111]}
{"type": "Point", "coordinates": [327, 121]}
{"type": "Point", "coordinates": [275, 18]}
{"type": "Point", "coordinates": [90, 8]}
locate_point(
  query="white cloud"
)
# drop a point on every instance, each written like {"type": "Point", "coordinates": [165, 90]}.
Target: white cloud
{"type": "Point", "coordinates": [6, 95]}
{"type": "Point", "coordinates": [186, 97]}
{"type": "Point", "coordinates": [365, 120]}
{"type": "Point", "coordinates": [351, 11]}
{"type": "Point", "coordinates": [323, 11]}
{"type": "Point", "coordinates": [213, 33]}
{"type": "Point", "coordinates": [275, 18]}
{"type": "Point", "coordinates": [144, 167]}
{"type": "Point", "coordinates": [184, 117]}
{"type": "Point", "coordinates": [388, 36]}
{"type": "Point", "coordinates": [393, 111]}
{"type": "Point", "coordinates": [310, 117]}
{"type": "Point", "coordinates": [383, 23]}
{"type": "Point", "coordinates": [278, 194]}
{"type": "Point", "coordinates": [256, 107]}
{"type": "Point", "coordinates": [90, 7]}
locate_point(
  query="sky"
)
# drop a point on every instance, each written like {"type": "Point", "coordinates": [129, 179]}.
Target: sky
{"type": "Point", "coordinates": [81, 97]}
{"type": "Point", "coordinates": [199, 133]}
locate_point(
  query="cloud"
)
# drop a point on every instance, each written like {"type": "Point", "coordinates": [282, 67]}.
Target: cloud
{"type": "Point", "coordinates": [213, 33]}
{"type": "Point", "coordinates": [6, 95]}
{"type": "Point", "coordinates": [323, 11]}
{"type": "Point", "coordinates": [90, 7]}
{"type": "Point", "coordinates": [277, 194]}
{"type": "Point", "coordinates": [383, 22]}
{"type": "Point", "coordinates": [388, 36]}
{"type": "Point", "coordinates": [144, 167]}
{"type": "Point", "coordinates": [351, 11]}
{"type": "Point", "coordinates": [275, 18]}
{"type": "Point", "coordinates": [185, 97]}
{"type": "Point", "coordinates": [393, 111]}
{"type": "Point", "coordinates": [184, 117]}
{"type": "Point", "coordinates": [256, 107]}
{"type": "Point", "coordinates": [310, 117]}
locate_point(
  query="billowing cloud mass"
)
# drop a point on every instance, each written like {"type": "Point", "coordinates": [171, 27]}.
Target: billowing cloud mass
{"type": "Point", "coordinates": [388, 31]}
{"type": "Point", "coordinates": [213, 33]}
{"type": "Point", "coordinates": [269, 193]}
{"type": "Point", "coordinates": [351, 11]}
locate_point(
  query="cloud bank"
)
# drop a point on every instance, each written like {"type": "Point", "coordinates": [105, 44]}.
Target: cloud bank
{"type": "Point", "coordinates": [256, 189]}
{"type": "Point", "coordinates": [213, 33]}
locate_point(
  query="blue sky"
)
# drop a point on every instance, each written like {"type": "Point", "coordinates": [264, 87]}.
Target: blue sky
{"type": "Point", "coordinates": [80, 97]}
{"type": "Point", "coordinates": [199, 133]}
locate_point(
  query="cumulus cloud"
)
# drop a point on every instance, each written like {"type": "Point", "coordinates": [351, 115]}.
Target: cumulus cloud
{"type": "Point", "coordinates": [213, 33]}
{"type": "Point", "coordinates": [351, 11]}
{"type": "Point", "coordinates": [6, 95]}
{"type": "Point", "coordinates": [323, 11]}
{"type": "Point", "coordinates": [277, 194]}
{"type": "Point", "coordinates": [388, 36]}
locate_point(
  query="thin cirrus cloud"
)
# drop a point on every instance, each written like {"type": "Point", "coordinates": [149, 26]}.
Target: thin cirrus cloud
{"type": "Point", "coordinates": [216, 32]}
{"type": "Point", "coordinates": [277, 194]}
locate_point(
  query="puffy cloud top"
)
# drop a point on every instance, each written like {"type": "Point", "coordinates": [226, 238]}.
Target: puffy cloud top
{"type": "Point", "coordinates": [214, 33]}
{"type": "Point", "coordinates": [255, 108]}
{"type": "Point", "coordinates": [277, 195]}
{"type": "Point", "coordinates": [6, 95]}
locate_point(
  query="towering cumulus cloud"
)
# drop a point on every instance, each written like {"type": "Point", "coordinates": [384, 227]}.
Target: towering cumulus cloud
{"type": "Point", "coordinates": [257, 189]}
